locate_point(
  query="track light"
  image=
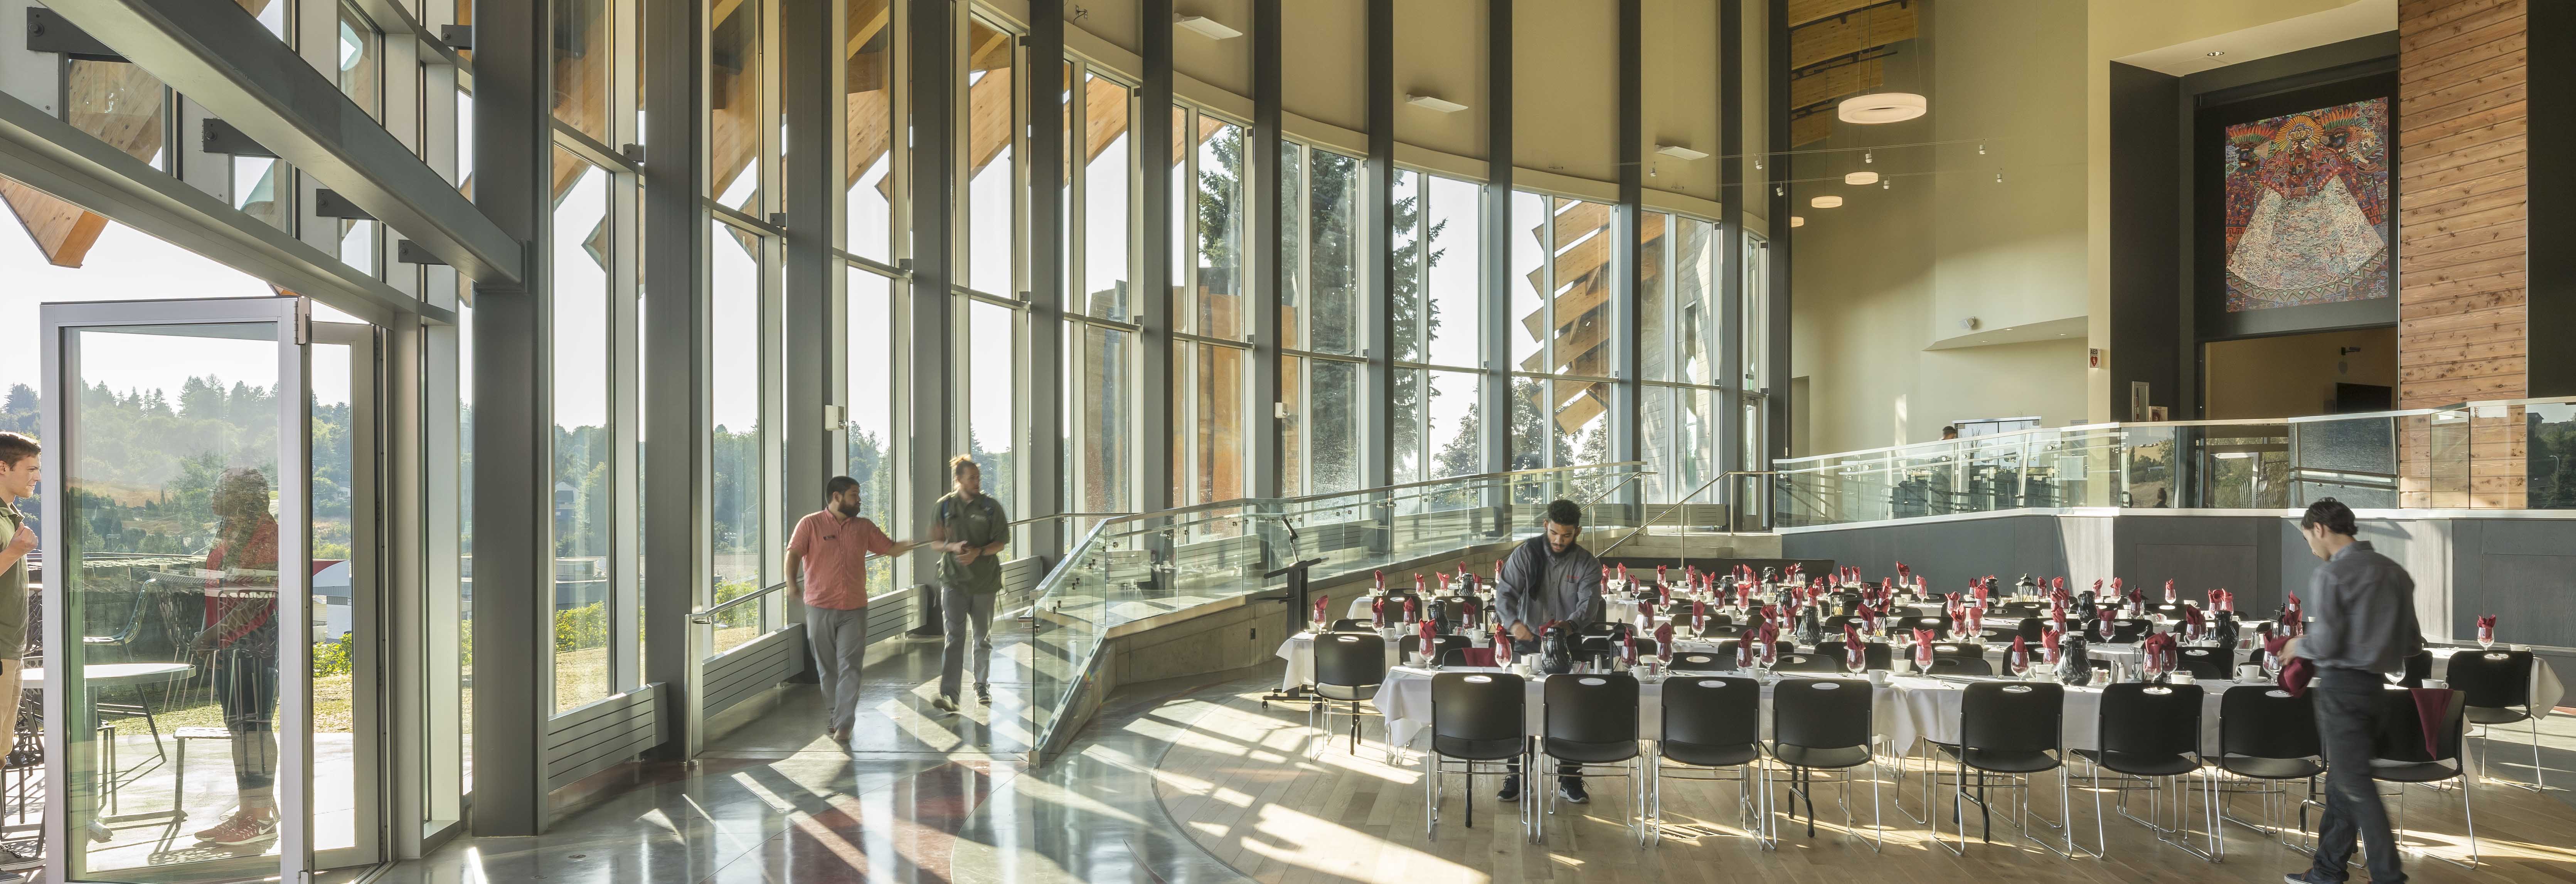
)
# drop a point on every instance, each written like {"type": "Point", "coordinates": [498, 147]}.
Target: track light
{"type": "Point", "coordinates": [1981, 148]}
{"type": "Point", "coordinates": [1868, 157]}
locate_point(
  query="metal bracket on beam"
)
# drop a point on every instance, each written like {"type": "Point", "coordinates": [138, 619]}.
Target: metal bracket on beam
{"type": "Point", "coordinates": [457, 37]}
{"type": "Point", "coordinates": [47, 31]}
{"type": "Point", "coordinates": [329, 203]}
{"type": "Point", "coordinates": [220, 137]}
{"type": "Point", "coordinates": [409, 252]}
{"type": "Point", "coordinates": [634, 153]}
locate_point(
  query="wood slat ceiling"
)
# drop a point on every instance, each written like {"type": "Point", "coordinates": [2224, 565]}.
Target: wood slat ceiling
{"type": "Point", "coordinates": [1818, 41]}
{"type": "Point", "coordinates": [1826, 38]}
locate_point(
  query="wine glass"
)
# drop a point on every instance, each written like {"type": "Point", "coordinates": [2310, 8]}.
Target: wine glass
{"type": "Point", "coordinates": [1856, 659]}
{"type": "Point", "coordinates": [2018, 662]}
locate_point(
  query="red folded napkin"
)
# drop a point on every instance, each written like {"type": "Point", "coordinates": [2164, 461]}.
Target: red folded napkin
{"type": "Point", "coordinates": [1976, 621]}
{"type": "Point", "coordinates": [1903, 572]}
{"type": "Point", "coordinates": [2057, 617]}
{"type": "Point", "coordinates": [1770, 643]}
{"type": "Point", "coordinates": [1409, 615]}
{"type": "Point", "coordinates": [1923, 648]}
{"type": "Point", "coordinates": [2192, 623]}
{"type": "Point", "coordinates": [1664, 641]}
{"type": "Point", "coordinates": [1381, 581]}
{"type": "Point", "coordinates": [2486, 629]}
{"type": "Point", "coordinates": [1319, 607]}
{"type": "Point", "coordinates": [1377, 612]}
{"type": "Point", "coordinates": [2057, 586]}
{"type": "Point", "coordinates": [1623, 572]}
{"type": "Point", "coordinates": [1629, 651]}
{"type": "Point", "coordinates": [2106, 624]}
{"type": "Point", "coordinates": [1663, 592]}
{"type": "Point", "coordinates": [1502, 649]}
{"type": "Point", "coordinates": [1467, 607]}
{"type": "Point", "coordinates": [2050, 638]}
{"type": "Point", "coordinates": [2019, 657]}
{"type": "Point", "coordinates": [1855, 654]}
{"type": "Point", "coordinates": [1699, 615]}
{"type": "Point", "coordinates": [2432, 710]}
{"type": "Point", "coordinates": [2293, 620]}
{"type": "Point", "coordinates": [2097, 589]}
{"type": "Point", "coordinates": [1430, 633]}
{"type": "Point", "coordinates": [1869, 618]}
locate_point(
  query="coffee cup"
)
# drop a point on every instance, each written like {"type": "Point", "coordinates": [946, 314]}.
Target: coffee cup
{"type": "Point", "coordinates": [2249, 672]}
{"type": "Point", "coordinates": [1880, 677]}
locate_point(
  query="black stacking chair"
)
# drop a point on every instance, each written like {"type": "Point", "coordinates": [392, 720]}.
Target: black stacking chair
{"type": "Point", "coordinates": [1809, 662]}
{"type": "Point", "coordinates": [1605, 629]}
{"type": "Point", "coordinates": [1875, 655]}
{"type": "Point", "coordinates": [2496, 682]}
{"type": "Point", "coordinates": [2400, 756]}
{"type": "Point", "coordinates": [1349, 667]}
{"type": "Point", "coordinates": [2217, 664]}
{"type": "Point", "coordinates": [1450, 656]}
{"type": "Point", "coordinates": [2270, 737]}
{"type": "Point", "coordinates": [1998, 634]}
{"type": "Point", "coordinates": [2151, 733]}
{"type": "Point", "coordinates": [1597, 645]}
{"type": "Point", "coordinates": [1476, 719]}
{"type": "Point", "coordinates": [2025, 609]}
{"type": "Point", "coordinates": [1957, 651]}
{"type": "Point", "coordinates": [2008, 729]}
{"type": "Point", "coordinates": [1834, 624]}
{"type": "Point", "coordinates": [2172, 612]}
{"type": "Point", "coordinates": [1972, 667]}
{"type": "Point", "coordinates": [1824, 725]}
{"type": "Point", "coordinates": [1940, 626]}
{"type": "Point", "coordinates": [1440, 644]}
{"type": "Point", "coordinates": [1709, 724]}
{"type": "Point", "coordinates": [2129, 630]}
{"type": "Point", "coordinates": [1591, 722]}
{"type": "Point", "coordinates": [1696, 661]}
{"type": "Point", "coordinates": [1348, 624]}
{"type": "Point", "coordinates": [1717, 624]}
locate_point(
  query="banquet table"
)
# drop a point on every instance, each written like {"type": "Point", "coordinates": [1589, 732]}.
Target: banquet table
{"type": "Point", "coordinates": [1299, 651]}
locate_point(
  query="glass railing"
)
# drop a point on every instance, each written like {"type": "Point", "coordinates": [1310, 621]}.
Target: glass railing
{"type": "Point", "coordinates": [1132, 568]}
{"type": "Point", "coordinates": [2515, 454]}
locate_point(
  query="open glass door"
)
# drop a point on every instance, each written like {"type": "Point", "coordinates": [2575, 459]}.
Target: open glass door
{"type": "Point", "coordinates": [180, 617]}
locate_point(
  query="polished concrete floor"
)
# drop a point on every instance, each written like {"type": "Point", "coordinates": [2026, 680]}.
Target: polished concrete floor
{"type": "Point", "coordinates": [918, 797]}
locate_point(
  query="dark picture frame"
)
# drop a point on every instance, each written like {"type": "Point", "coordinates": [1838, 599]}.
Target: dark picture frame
{"type": "Point", "coordinates": [2210, 121]}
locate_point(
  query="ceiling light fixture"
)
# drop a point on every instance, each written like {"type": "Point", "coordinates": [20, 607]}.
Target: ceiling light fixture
{"type": "Point", "coordinates": [1981, 148]}
{"type": "Point", "coordinates": [1797, 221]}
{"type": "Point", "coordinates": [1868, 157]}
{"type": "Point", "coordinates": [2218, 53]}
{"type": "Point", "coordinates": [1680, 152]}
{"type": "Point", "coordinates": [1826, 202]}
{"type": "Point", "coordinates": [1442, 105]}
{"type": "Point", "coordinates": [1882, 107]}
{"type": "Point", "coordinates": [1205, 27]}
{"type": "Point", "coordinates": [1858, 178]}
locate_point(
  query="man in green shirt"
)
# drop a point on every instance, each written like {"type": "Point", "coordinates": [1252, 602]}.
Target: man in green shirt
{"type": "Point", "coordinates": [969, 531]}
{"type": "Point", "coordinates": [18, 475]}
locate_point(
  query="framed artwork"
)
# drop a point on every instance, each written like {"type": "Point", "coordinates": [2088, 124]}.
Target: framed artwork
{"type": "Point", "coordinates": [2295, 218]}
{"type": "Point", "coordinates": [2307, 207]}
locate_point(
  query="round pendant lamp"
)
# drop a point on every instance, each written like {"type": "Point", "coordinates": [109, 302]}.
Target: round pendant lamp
{"type": "Point", "coordinates": [1882, 107]}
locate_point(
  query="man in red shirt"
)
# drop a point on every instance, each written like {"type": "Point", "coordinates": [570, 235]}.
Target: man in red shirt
{"type": "Point", "coordinates": [827, 563]}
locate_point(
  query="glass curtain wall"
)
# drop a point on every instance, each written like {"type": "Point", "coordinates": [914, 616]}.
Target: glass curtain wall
{"type": "Point", "coordinates": [1677, 328]}
{"type": "Point", "coordinates": [1438, 227]}
{"type": "Point", "coordinates": [1320, 369]}
{"type": "Point", "coordinates": [873, 356]}
{"type": "Point", "coordinates": [1100, 347]}
{"type": "Point", "coordinates": [746, 536]}
{"type": "Point", "coordinates": [1211, 358]}
{"type": "Point", "coordinates": [995, 234]}
{"type": "Point", "coordinates": [1561, 336]}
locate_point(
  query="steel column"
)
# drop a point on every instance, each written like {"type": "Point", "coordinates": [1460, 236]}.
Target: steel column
{"type": "Point", "coordinates": [1627, 253]}
{"type": "Point", "coordinates": [810, 100]}
{"type": "Point", "coordinates": [1494, 396]}
{"type": "Point", "coordinates": [513, 416]}
{"type": "Point", "coordinates": [1730, 241]}
{"type": "Point", "coordinates": [1377, 290]}
{"type": "Point", "coordinates": [1264, 256]}
{"type": "Point", "coordinates": [931, 407]}
{"type": "Point", "coordinates": [1043, 469]}
{"type": "Point", "coordinates": [1153, 296]}
{"type": "Point", "coordinates": [676, 522]}
{"type": "Point", "coordinates": [1775, 401]}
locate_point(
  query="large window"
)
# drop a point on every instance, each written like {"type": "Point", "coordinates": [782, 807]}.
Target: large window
{"type": "Point", "coordinates": [870, 436]}
{"type": "Point", "coordinates": [866, 158]}
{"type": "Point", "coordinates": [737, 444]}
{"type": "Point", "coordinates": [1320, 375]}
{"type": "Point", "coordinates": [584, 486]}
{"type": "Point", "coordinates": [1677, 338]}
{"type": "Point", "coordinates": [991, 297]}
{"type": "Point", "coordinates": [1211, 357]}
{"type": "Point", "coordinates": [1562, 345]}
{"type": "Point", "coordinates": [1437, 227]}
{"type": "Point", "coordinates": [1100, 387]}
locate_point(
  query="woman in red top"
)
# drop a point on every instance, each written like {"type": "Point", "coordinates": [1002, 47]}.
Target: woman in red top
{"type": "Point", "coordinates": [240, 637]}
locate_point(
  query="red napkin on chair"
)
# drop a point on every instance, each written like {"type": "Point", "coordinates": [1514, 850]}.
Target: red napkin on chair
{"type": "Point", "coordinates": [1923, 648]}
{"type": "Point", "coordinates": [2486, 629]}
{"type": "Point", "coordinates": [1664, 642]}
{"type": "Point", "coordinates": [2432, 708]}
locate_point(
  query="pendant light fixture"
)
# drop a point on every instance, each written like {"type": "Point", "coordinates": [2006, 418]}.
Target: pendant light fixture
{"type": "Point", "coordinates": [1882, 107]}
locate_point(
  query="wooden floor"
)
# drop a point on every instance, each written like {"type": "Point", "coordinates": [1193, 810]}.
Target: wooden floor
{"type": "Point", "coordinates": [1248, 786]}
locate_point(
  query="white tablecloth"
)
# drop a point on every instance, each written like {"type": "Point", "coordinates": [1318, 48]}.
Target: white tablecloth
{"type": "Point", "coordinates": [1299, 651]}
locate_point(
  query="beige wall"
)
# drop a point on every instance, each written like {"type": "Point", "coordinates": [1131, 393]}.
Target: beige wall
{"type": "Point", "coordinates": [1440, 51]}
{"type": "Point", "coordinates": [1895, 269]}
{"type": "Point", "coordinates": [2295, 375]}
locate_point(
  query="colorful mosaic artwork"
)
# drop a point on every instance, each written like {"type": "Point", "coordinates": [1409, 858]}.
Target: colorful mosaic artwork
{"type": "Point", "coordinates": [2307, 208]}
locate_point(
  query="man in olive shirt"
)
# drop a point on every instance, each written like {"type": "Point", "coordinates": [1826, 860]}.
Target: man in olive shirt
{"type": "Point", "coordinates": [18, 466]}
{"type": "Point", "coordinates": [970, 532]}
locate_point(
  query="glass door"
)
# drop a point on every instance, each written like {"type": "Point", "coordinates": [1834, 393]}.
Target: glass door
{"type": "Point", "coordinates": [185, 506]}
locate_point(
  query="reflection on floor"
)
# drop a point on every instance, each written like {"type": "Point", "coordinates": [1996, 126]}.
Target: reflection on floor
{"type": "Point", "coordinates": [1192, 780]}
{"type": "Point", "coordinates": [919, 796]}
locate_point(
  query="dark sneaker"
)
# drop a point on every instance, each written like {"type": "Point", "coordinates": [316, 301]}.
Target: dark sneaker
{"type": "Point", "coordinates": [944, 704]}
{"type": "Point", "coordinates": [1511, 790]}
{"type": "Point", "coordinates": [984, 694]}
{"type": "Point", "coordinates": [2306, 878]}
{"type": "Point", "coordinates": [1572, 793]}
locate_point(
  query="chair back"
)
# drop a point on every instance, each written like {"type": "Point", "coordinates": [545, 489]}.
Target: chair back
{"type": "Point", "coordinates": [1717, 624]}
{"type": "Point", "coordinates": [2418, 668]}
{"type": "Point", "coordinates": [1698, 661]}
{"type": "Point", "coordinates": [2128, 629]}
{"type": "Point", "coordinates": [1961, 666]}
{"type": "Point", "coordinates": [1348, 624]}
{"type": "Point", "coordinates": [1450, 656]}
{"type": "Point", "coordinates": [1807, 663]}
{"type": "Point", "coordinates": [2012, 716]}
{"type": "Point", "coordinates": [1478, 707]}
{"type": "Point", "coordinates": [1821, 713]}
{"type": "Point", "coordinates": [2491, 679]}
{"type": "Point", "coordinates": [1440, 644]}
{"type": "Point", "coordinates": [2264, 721]}
{"type": "Point", "coordinates": [2401, 729]}
{"type": "Point", "coordinates": [1875, 655]}
{"type": "Point", "coordinates": [1604, 628]}
{"type": "Point", "coordinates": [1596, 707]}
{"type": "Point", "coordinates": [1723, 711]}
{"type": "Point", "coordinates": [2211, 663]}
{"type": "Point", "coordinates": [2151, 720]}
{"type": "Point", "coordinates": [1350, 660]}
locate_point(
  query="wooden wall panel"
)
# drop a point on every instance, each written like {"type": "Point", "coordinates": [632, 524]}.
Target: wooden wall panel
{"type": "Point", "coordinates": [2463, 165]}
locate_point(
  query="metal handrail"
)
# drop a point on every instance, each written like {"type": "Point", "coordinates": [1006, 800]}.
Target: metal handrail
{"type": "Point", "coordinates": [709, 614]}
{"type": "Point", "coordinates": [1684, 501]}
{"type": "Point", "coordinates": [1443, 481]}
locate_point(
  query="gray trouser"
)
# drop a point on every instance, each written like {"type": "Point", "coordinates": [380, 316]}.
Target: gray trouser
{"type": "Point", "coordinates": [959, 610]}
{"type": "Point", "coordinates": [840, 641]}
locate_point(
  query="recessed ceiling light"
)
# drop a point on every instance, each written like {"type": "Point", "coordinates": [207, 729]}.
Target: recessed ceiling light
{"type": "Point", "coordinates": [1861, 178]}
{"type": "Point", "coordinates": [1439, 104]}
{"type": "Point", "coordinates": [1206, 27]}
{"type": "Point", "coordinates": [2218, 53]}
{"type": "Point", "coordinates": [1826, 202]}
